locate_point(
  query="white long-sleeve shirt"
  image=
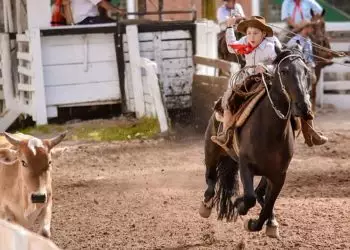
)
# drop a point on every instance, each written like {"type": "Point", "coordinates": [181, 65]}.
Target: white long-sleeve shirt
{"type": "Point", "coordinates": [82, 9]}
{"type": "Point", "coordinates": [263, 54]}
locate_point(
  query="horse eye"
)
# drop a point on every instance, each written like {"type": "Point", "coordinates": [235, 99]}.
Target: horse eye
{"type": "Point", "coordinates": [50, 162]}
{"type": "Point", "coordinates": [24, 164]}
{"type": "Point", "coordinates": [284, 72]}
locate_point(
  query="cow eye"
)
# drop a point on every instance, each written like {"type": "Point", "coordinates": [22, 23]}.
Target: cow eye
{"type": "Point", "coordinates": [50, 162]}
{"type": "Point", "coordinates": [24, 164]}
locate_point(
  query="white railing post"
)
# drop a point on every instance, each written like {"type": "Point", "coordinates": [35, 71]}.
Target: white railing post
{"type": "Point", "coordinates": [39, 99]}
{"type": "Point", "coordinates": [135, 66]}
{"type": "Point", "coordinates": [6, 71]}
{"type": "Point", "coordinates": [207, 30]}
{"type": "Point", "coordinates": [152, 83]}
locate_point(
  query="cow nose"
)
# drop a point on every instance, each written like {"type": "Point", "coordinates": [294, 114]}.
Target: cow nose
{"type": "Point", "coordinates": [38, 198]}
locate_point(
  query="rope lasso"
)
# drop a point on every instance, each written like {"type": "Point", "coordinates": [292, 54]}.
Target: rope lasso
{"type": "Point", "coordinates": [314, 44]}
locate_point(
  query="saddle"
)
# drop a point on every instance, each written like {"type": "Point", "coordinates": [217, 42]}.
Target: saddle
{"type": "Point", "coordinates": [242, 99]}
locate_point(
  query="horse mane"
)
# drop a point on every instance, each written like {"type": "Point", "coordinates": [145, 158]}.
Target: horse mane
{"type": "Point", "coordinates": [287, 52]}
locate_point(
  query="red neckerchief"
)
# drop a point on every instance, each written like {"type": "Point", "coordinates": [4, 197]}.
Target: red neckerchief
{"type": "Point", "coordinates": [297, 8]}
{"type": "Point", "coordinates": [242, 49]}
{"type": "Point", "coordinates": [56, 18]}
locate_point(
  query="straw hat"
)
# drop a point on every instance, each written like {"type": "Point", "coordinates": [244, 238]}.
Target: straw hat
{"type": "Point", "coordinates": [256, 22]}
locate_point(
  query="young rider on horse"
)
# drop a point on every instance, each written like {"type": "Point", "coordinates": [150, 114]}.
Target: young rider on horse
{"type": "Point", "coordinates": [258, 46]}
{"type": "Point", "coordinates": [258, 50]}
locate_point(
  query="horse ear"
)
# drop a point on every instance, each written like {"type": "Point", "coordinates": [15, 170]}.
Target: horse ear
{"type": "Point", "coordinates": [323, 12]}
{"type": "Point", "coordinates": [298, 46]}
{"type": "Point", "coordinates": [312, 12]}
{"type": "Point", "coordinates": [277, 49]}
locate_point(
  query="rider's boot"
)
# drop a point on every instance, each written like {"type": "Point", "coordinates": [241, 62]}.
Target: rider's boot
{"type": "Point", "coordinates": [312, 137]}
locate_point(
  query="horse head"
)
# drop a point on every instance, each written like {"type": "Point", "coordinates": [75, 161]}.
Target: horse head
{"type": "Point", "coordinates": [319, 37]}
{"type": "Point", "coordinates": [291, 74]}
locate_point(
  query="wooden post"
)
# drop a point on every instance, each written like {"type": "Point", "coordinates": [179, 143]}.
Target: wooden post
{"type": "Point", "coordinates": [266, 10]}
{"type": "Point", "coordinates": [142, 7]}
{"type": "Point", "coordinates": [160, 9]}
{"type": "Point", "coordinates": [39, 100]}
{"type": "Point", "coordinates": [135, 65]}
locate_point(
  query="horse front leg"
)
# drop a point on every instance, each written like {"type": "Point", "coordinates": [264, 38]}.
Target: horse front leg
{"type": "Point", "coordinates": [271, 224]}
{"type": "Point", "coordinates": [266, 213]}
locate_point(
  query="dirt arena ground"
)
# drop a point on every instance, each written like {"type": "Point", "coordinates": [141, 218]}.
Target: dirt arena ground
{"type": "Point", "coordinates": [145, 195]}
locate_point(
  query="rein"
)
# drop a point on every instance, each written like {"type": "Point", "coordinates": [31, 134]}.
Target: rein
{"type": "Point", "coordinates": [277, 111]}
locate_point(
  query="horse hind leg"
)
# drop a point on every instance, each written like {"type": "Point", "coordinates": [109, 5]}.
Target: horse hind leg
{"type": "Point", "coordinates": [212, 153]}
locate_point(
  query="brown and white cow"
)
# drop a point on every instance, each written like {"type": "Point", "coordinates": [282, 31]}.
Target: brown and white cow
{"type": "Point", "coordinates": [25, 181]}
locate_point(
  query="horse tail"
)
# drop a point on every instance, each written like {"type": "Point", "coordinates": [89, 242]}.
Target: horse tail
{"type": "Point", "coordinates": [227, 186]}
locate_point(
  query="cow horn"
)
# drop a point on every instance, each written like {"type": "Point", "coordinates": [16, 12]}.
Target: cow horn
{"type": "Point", "coordinates": [54, 141]}
{"type": "Point", "coordinates": [11, 139]}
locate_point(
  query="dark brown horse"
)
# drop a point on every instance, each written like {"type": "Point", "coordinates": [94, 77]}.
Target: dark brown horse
{"type": "Point", "coordinates": [266, 146]}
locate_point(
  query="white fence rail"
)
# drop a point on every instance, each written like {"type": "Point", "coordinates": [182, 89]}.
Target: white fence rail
{"type": "Point", "coordinates": [334, 85]}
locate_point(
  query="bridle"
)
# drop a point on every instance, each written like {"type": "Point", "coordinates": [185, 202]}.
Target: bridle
{"type": "Point", "coordinates": [277, 111]}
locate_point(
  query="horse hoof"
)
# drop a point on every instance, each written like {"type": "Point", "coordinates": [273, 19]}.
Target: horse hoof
{"type": "Point", "coordinates": [272, 232]}
{"type": "Point", "coordinates": [204, 211]}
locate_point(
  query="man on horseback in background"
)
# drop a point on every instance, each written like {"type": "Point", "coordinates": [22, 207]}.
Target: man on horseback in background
{"type": "Point", "coordinates": [294, 12]}
{"type": "Point", "coordinates": [304, 30]}
{"type": "Point", "coordinates": [258, 46]}
{"type": "Point", "coordinates": [229, 10]}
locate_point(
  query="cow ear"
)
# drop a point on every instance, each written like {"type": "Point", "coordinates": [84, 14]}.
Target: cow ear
{"type": "Point", "coordinates": [312, 12]}
{"type": "Point", "coordinates": [56, 140]}
{"type": "Point", "coordinates": [12, 139]}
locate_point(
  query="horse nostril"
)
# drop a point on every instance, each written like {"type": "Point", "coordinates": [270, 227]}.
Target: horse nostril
{"type": "Point", "coordinates": [38, 198]}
